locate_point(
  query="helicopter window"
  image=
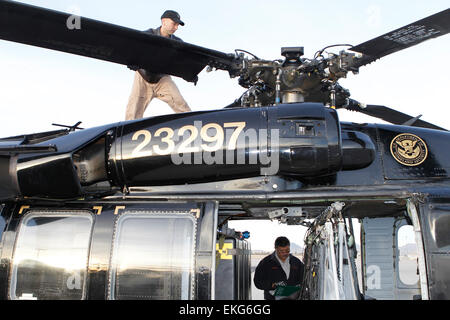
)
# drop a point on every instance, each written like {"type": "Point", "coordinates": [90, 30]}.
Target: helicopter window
{"type": "Point", "coordinates": [153, 257]}
{"type": "Point", "coordinates": [51, 256]}
{"type": "Point", "coordinates": [407, 263]}
{"type": "Point", "coordinates": [441, 226]}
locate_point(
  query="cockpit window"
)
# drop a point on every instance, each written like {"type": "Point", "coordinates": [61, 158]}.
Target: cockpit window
{"type": "Point", "coordinates": [153, 257]}
{"type": "Point", "coordinates": [51, 256]}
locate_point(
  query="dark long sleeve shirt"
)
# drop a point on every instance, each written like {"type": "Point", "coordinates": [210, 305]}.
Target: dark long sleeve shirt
{"type": "Point", "coordinates": [269, 271]}
{"type": "Point", "coordinates": [150, 76]}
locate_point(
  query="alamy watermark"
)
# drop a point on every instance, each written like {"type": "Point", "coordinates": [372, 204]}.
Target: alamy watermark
{"type": "Point", "coordinates": [373, 277]}
{"type": "Point", "coordinates": [216, 145]}
{"type": "Point", "coordinates": [73, 22]}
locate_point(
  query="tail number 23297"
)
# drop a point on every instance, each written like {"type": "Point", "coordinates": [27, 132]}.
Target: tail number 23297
{"type": "Point", "coordinates": [212, 142]}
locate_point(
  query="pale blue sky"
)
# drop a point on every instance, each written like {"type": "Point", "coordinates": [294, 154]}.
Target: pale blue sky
{"type": "Point", "coordinates": [39, 86]}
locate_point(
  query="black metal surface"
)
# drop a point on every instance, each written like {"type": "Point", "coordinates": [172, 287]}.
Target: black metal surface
{"type": "Point", "coordinates": [53, 174]}
{"type": "Point", "coordinates": [14, 149]}
{"type": "Point", "coordinates": [311, 149]}
{"type": "Point", "coordinates": [435, 166]}
{"type": "Point", "coordinates": [308, 144]}
{"type": "Point", "coordinates": [233, 274]}
{"type": "Point", "coordinates": [433, 213]}
{"type": "Point", "coordinates": [435, 222]}
{"type": "Point", "coordinates": [105, 215]}
{"type": "Point", "coordinates": [358, 150]}
{"type": "Point", "coordinates": [101, 246]}
{"type": "Point", "coordinates": [414, 33]}
{"type": "Point", "coordinates": [49, 177]}
{"type": "Point", "coordinates": [33, 138]}
{"type": "Point", "coordinates": [8, 187]}
{"type": "Point", "coordinates": [95, 39]}
{"type": "Point", "coordinates": [44, 171]}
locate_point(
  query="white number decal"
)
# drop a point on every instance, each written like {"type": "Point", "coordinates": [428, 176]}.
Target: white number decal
{"type": "Point", "coordinates": [212, 142]}
{"type": "Point", "coordinates": [218, 137]}
{"type": "Point", "coordinates": [167, 139]}
{"type": "Point", "coordinates": [233, 139]}
{"type": "Point", "coordinates": [147, 138]}
{"type": "Point", "coordinates": [184, 145]}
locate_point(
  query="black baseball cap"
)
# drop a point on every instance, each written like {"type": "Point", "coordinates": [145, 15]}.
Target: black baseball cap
{"type": "Point", "coordinates": [172, 15]}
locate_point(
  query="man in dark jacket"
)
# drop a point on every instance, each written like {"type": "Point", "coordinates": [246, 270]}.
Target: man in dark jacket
{"type": "Point", "coordinates": [149, 85]}
{"type": "Point", "coordinates": [279, 268]}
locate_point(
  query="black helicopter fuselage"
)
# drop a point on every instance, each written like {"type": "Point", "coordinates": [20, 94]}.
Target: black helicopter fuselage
{"type": "Point", "coordinates": [287, 162]}
{"type": "Point", "coordinates": [140, 209]}
{"type": "Point", "coordinates": [302, 142]}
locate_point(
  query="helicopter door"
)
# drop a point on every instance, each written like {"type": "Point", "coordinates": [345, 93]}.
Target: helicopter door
{"type": "Point", "coordinates": [164, 253]}
{"type": "Point", "coordinates": [51, 255]}
{"type": "Point", "coordinates": [233, 265]}
{"type": "Point", "coordinates": [435, 221]}
{"type": "Point", "coordinates": [161, 262]}
{"type": "Point", "coordinates": [389, 264]}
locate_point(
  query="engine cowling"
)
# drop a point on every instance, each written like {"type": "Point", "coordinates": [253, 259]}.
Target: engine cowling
{"type": "Point", "coordinates": [294, 140]}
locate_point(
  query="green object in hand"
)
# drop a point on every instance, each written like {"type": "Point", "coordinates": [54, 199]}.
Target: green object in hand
{"type": "Point", "coordinates": [285, 291]}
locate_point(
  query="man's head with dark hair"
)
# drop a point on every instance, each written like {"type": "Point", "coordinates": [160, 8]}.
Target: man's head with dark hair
{"type": "Point", "coordinates": [282, 242]}
{"type": "Point", "coordinates": [282, 248]}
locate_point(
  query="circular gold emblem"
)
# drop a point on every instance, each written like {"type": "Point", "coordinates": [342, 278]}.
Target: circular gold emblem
{"type": "Point", "coordinates": [409, 149]}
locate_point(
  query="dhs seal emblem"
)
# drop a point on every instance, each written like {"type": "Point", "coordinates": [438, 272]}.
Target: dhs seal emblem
{"type": "Point", "coordinates": [408, 149]}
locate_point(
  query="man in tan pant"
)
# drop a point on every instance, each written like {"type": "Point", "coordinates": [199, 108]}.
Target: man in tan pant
{"type": "Point", "coordinates": [149, 85]}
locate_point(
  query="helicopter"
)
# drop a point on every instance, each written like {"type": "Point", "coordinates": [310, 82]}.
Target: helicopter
{"type": "Point", "coordinates": [87, 214]}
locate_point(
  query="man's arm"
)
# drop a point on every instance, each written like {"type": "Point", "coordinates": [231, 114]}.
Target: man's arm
{"type": "Point", "coordinates": [262, 280]}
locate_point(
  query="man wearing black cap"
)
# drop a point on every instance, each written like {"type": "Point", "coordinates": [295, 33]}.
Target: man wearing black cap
{"type": "Point", "coordinates": [149, 85]}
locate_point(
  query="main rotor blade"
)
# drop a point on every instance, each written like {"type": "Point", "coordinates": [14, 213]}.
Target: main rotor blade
{"type": "Point", "coordinates": [430, 27]}
{"type": "Point", "coordinates": [95, 39]}
{"type": "Point", "coordinates": [392, 116]}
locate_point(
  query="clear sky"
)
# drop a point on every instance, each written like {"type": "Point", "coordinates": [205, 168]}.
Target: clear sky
{"type": "Point", "coordinates": [39, 86]}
